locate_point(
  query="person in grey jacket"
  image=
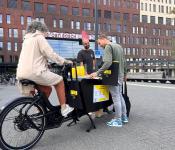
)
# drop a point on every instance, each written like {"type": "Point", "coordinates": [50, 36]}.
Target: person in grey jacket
{"type": "Point", "coordinates": [114, 52]}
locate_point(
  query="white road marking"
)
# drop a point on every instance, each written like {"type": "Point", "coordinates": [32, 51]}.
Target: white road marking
{"type": "Point", "coordinates": [152, 86]}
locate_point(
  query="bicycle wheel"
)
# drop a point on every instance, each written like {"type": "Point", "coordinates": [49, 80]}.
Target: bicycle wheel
{"type": "Point", "coordinates": [19, 130]}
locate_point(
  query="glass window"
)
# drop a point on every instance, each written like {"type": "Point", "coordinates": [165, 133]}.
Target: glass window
{"type": "Point", "coordinates": [54, 23]}
{"type": "Point", "coordinates": [10, 33]}
{"type": "Point", "coordinates": [135, 18]}
{"type": "Point", "coordinates": [160, 20]}
{"type": "Point", "coordinates": [66, 48]}
{"type": "Point", "coordinates": [16, 46]}
{"type": "Point", "coordinates": [86, 12]}
{"type": "Point", "coordinates": [72, 24]}
{"type": "Point", "coordinates": [9, 48]}
{"type": "Point", "coordinates": [152, 19]}
{"type": "Point", "coordinates": [117, 16]}
{"type": "Point", "coordinates": [63, 10]}
{"type": "Point", "coordinates": [1, 46]}
{"type": "Point", "coordinates": [75, 11]}
{"type": "Point", "coordinates": [29, 20]}
{"type": "Point", "coordinates": [1, 32]}
{"type": "Point", "coordinates": [12, 3]}
{"type": "Point", "coordinates": [51, 8]}
{"type": "Point", "coordinates": [168, 21]}
{"type": "Point", "coordinates": [1, 59]}
{"type": "Point", "coordinates": [0, 18]}
{"type": "Point", "coordinates": [77, 25]}
{"type": "Point", "coordinates": [22, 20]}
{"type": "Point", "coordinates": [144, 18]}
{"type": "Point", "coordinates": [125, 17]}
{"type": "Point", "coordinates": [107, 14]}
{"type": "Point", "coordinates": [107, 27]}
{"type": "Point", "coordinates": [15, 32]}
{"type": "Point", "coordinates": [154, 7]}
{"type": "Point", "coordinates": [38, 7]}
{"type": "Point", "coordinates": [118, 28]}
{"type": "Point", "coordinates": [99, 13]}
{"type": "Point", "coordinates": [41, 19]}
{"type": "Point", "coordinates": [125, 29]}
{"type": "Point", "coordinates": [1, 3]}
{"type": "Point", "coordinates": [8, 19]}
{"type": "Point", "coordinates": [60, 23]}
{"type": "Point", "coordinates": [26, 5]}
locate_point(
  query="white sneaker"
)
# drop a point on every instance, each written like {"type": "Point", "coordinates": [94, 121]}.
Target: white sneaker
{"type": "Point", "coordinates": [65, 111]}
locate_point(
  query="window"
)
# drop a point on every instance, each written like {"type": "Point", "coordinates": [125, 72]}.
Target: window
{"type": "Point", "coordinates": [1, 59]}
{"type": "Point", "coordinates": [117, 16]}
{"type": "Point", "coordinates": [54, 23]}
{"type": "Point", "coordinates": [51, 8]}
{"type": "Point", "coordinates": [160, 20]}
{"type": "Point", "coordinates": [60, 23]}
{"type": "Point", "coordinates": [15, 32]}
{"type": "Point", "coordinates": [75, 11]}
{"type": "Point", "coordinates": [87, 26]}
{"type": "Point", "coordinates": [1, 32]}
{"type": "Point", "coordinates": [10, 33]}
{"type": "Point", "coordinates": [16, 46]}
{"type": "Point", "coordinates": [12, 3]}
{"type": "Point", "coordinates": [77, 25]}
{"type": "Point", "coordinates": [1, 46]}
{"type": "Point", "coordinates": [29, 20]}
{"type": "Point", "coordinates": [9, 48]}
{"type": "Point", "coordinates": [72, 24]}
{"type": "Point", "coordinates": [135, 18]}
{"type": "Point", "coordinates": [22, 20]}
{"type": "Point", "coordinates": [8, 19]}
{"type": "Point", "coordinates": [1, 3]}
{"type": "Point", "coordinates": [125, 17]}
{"type": "Point", "coordinates": [118, 28]}
{"type": "Point", "coordinates": [107, 14]}
{"type": "Point", "coordinates": [26, 5]}
{"type": "Point", "coordinates": [63, 10]}
{"type": "Point", "coordinates": [152, 19]}
{"type": "Point", "coordinates": [144, 18]}
{"type": "Point", "coordinates": [107, 27]}
{"type": "Point", "coordinates": [38, 7]}
{"type": "Point", "coordinates": [99, 13]}
{"type": "Point", "coordinates": [0, 18]}
{"type": "Point", "coordinates": [162, 9]}
{"type": "Point", "coordinates": [168, 21]}
{"type": "Point", "coordinates": [154, 7]}
{"type": "Point", "coordinates": [41, 19]}
{"type": "Point", "coordinates": [86, 12]}
{"type": "Point", "coordinates": [124, 28]}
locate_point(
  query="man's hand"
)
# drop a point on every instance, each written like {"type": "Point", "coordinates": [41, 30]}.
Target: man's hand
{"type": "Point", "coordinates": [93, 75]}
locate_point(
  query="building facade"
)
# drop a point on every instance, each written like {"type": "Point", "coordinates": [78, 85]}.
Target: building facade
{"type": "Point", "coordinates": [145, 28]}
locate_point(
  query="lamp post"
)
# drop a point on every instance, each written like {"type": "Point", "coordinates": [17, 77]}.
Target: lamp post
{"type": "Point", "coordinates": [96, 23]}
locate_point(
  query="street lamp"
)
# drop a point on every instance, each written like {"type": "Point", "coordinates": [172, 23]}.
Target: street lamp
{"type": "Point", "coordinates": [96, 24]}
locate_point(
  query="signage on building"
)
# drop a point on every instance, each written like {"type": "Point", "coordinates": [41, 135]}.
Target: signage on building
{"type": "Point", "coordinates": [67, 35]}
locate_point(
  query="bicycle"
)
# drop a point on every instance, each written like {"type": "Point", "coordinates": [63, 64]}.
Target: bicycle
{"type": "Point", "coordinates": [27, 118]}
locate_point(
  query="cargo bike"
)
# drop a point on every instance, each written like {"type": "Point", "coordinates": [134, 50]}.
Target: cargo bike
{"type": "Point", "coordinates": [24, 120]}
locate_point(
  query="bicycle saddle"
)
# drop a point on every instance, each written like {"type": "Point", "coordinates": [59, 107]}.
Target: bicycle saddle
{"type": "Point", "coordinates": [26, 82]}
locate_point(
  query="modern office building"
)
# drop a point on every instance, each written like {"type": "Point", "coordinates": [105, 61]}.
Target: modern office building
{"type": "Point", "coordinates": [145, 28]}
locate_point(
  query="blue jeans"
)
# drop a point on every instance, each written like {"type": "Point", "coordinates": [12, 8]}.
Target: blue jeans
{"type": "Point", "coordinates": [118, 100]}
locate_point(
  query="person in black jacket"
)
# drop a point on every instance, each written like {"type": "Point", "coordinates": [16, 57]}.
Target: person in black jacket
{"type": "Point", "coordinates": [86, 57]}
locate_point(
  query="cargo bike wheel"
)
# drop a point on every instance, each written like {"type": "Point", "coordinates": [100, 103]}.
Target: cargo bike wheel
{"type": "Point", "coordinates": [22, 124]}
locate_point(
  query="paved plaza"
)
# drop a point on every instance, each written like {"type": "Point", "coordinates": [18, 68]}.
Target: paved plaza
{"type": "Point", "coordinates": [151, 124]}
